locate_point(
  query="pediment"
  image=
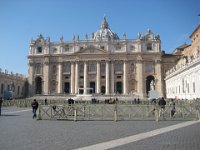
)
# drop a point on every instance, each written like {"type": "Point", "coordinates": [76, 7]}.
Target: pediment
{"type": "Point", "coordinates": [92, 50]}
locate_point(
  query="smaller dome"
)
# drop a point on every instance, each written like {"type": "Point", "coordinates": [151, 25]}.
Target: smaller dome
{"type": "Point", "coordinates": [105, 33]}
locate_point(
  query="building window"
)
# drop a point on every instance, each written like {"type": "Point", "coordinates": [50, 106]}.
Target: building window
{"type": "Point", "coordinates": [149, 46]}
{"type": "Point", "coordinates": [66, 68]}
{"type": "Point", "coordinates": [18, 90]}
{"type": "Point", "coordinates": [102, 47]}
{"type": "Point", "coordinates": [132, 48]}
{"type": "Point", "coordinates": [117, 46]}
{"type": "Point", "coordinates": [39, 49]}
{"type": "Point", "coordinates": [66, 48]}
{"type": "Point", "coordinates": [118, 67]}
{"type": "Point", "coordinates": [194, 87]}
{"type": "Point", "coordinates": [54, 69]}
{"type": "Point", "coordinates": [22, 92]}
{"type": "Point", "coordinates": [81, 68]}
{"type": "Point", "coordinates": [38, 69]}
{"type": "Point", "coordinates": [103, 68]}
{"type": "Point", "coordinates": [132, 68]}
{"type": "Point", "coordinates": [55, 50]}
{"type": "Point", "coordinates": [92, 68]}
{"type": "Point", "coordinates": [2, 88]}
{"type": "Point", "coordinates": [149, 67]}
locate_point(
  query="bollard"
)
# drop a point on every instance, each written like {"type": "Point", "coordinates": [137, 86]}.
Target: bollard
{"type": "Point", "coordinates": [39, 115]}
{"type": "Point", "coordinates": [115, 112]}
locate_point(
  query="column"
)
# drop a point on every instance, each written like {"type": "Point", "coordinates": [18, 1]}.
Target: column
{"type": "Point", "coordinates": [107, 78]}
{"type": "Point", "coordinates": [85, 77]}
{"type": "Point", "coordinates": [46, 78]}
{"type": "Point", "coordinates": [140, 82]}
{"type": "Point", "coordinates": [112, 78]}
{"type": "Point", "coordinates": [60, 78]}
{"type": "Point", "coordinates": [98, 79]}
{"type": "Point", "coordinates": [125, 77]}
{"type": "Point", "coordinates": [72, 78]}
{"type": "Point", "coordinates": [31, 79]}
{"type": "Point", "coordinates": [76, 78]}
{"type": "Point", "coordinates": [158, 78]}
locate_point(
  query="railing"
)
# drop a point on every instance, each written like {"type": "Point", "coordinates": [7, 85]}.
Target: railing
{"type": "Point", "coordinates": [116, 112]}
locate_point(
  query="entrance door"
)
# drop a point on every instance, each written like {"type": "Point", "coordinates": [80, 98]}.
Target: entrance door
{"type": "Point", "coordinates": [92, 85]}
{"type": "Point", "coordinates": [119, 87]}
{"type": "Point", "coordinates": [67, 87]}
{"type": "Point", "coordinates": [38, 86]}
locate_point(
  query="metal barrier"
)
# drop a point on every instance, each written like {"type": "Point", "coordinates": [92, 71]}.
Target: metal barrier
{"type": "Point", "coordinates": [116, 112]}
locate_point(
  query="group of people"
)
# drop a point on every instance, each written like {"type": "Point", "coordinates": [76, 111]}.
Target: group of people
{"type": "Point", "coordinates": [162, 104]}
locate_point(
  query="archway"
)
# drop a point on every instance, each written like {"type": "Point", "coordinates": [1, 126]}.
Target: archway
{"type": "Point", "coordinates": [150, 83]}
{"type": "Point", "coordinates": [38, 85]}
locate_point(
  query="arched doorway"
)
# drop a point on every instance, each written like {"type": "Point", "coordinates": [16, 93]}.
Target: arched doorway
{"type": "Point", "coordinates": [150, 84]}
{"type": "Point", "coordinates": [38, 85]}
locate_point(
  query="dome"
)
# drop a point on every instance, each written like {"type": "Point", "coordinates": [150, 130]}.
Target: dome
{"type": "Point", "coordinates": [104, 33]}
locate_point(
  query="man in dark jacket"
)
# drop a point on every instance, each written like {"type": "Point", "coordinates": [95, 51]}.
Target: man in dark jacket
{"type": "Point", "coordinates": [162, 104]}
{"type": "Point", "coordinates": [34, 105]}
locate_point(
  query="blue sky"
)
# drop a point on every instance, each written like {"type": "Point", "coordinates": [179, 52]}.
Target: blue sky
{"type": "Point", "coordinates": [21, 20]}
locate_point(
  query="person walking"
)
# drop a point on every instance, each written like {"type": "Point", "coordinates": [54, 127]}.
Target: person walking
{"type": "Point", "coordinates": [34, 105]}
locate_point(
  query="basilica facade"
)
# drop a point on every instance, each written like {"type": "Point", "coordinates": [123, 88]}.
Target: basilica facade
{"type": "Point", "coordinates": [101, 64]}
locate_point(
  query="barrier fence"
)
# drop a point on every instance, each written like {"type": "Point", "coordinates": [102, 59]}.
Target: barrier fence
{"type": "Point", "coordinates": [120, 110]}
{"type": "Point", "coordinates": [116, 112]}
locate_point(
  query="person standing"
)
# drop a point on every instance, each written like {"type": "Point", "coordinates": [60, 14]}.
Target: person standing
{"type": "Point", "coordinates": [1, 101]}
{"type": "Point", "coordinates": [172, 108]}
{"type": "Point", "coordinates": [34, 105]}
{"type": "Point", "coordinates": [162, 104]}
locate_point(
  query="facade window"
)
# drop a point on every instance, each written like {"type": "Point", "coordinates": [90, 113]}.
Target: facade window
{"type": "Point", "coordinates": [118, 67]}
{"type": "Point", "coordinates": [54, 69]}
{"type": "Point", "coordinates": [149, 46]}
{"type": "Point", "coordinates": [55, 50]}
{"type": "Point", "coordinates": [18, 90]}
{"type": "Point", "coordinates": [22, 92]}
{"type": "Point", "coordinates": [39, 49]}
{"type": "Point", "coordinates": [103, 68]}
{"type": "Point", "coordinates": [38, 69]}
{"type": "Point", "coordinates": [132, 68]}
{"type": "Point", "coordinates": [102, 47]}
{"type": "Point", "coordinates": [149, 67]}
{"type": "Point", "coordinates": [67, 47]}
{"type": "Point", "coordinates": [194, 87]}
{"type": "Point", "coordinates": [2, 88]}
{"type": "Point", "coordinates": [8, 87]}
{"type": "Point", "coordinates": [67, 68]}
{"type": "Point", "coordinates": [132, 48]}
{"type": "Point", "coordinates": [81, 68]}
{"type": "Point", "coordinates": [92, 68]}
{"type": "Point", "coordinates": [118, 46]}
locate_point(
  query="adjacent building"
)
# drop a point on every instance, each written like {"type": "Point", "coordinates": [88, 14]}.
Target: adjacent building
{"type": "Point", "coordinates": [183, 80]}
{"type": "Point", "coordinates": [12, 85]}
{"type": "Point", "coordinates": [101, 64]}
